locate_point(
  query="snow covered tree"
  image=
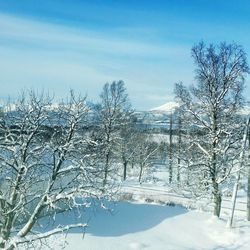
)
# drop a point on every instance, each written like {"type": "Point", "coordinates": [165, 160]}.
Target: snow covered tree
{"type": "Point", "coordinates": [170, 157]}
{"type": "Point", "coordinates": [179, 143]}
{"type": "Point", "coordinates": [43, 166]}
{"type": "Point", "coordinates": [210, 108]}
{"type": "Point", "coordinates": [127, 145]}
{"type": "Point", "coordinates": [113, 113]}
{"type": "Point", "coordinates": [145, 151]}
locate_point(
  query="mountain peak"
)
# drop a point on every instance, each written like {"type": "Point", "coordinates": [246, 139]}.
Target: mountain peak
{"type": "Point", "coordinates": [167, 107]}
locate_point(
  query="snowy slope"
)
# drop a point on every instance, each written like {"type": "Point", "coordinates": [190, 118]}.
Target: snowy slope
{"type": "Point", "coordinates": [152, 227]}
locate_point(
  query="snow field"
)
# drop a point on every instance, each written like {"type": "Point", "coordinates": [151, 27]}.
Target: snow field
{"type": "Point", "coordinates": [135, 226]}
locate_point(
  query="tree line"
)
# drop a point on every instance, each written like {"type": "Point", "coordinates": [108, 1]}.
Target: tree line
{"type": "Point", "coordinates": [52, 154]}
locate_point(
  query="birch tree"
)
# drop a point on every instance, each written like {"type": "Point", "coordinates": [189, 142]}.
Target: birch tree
{"type": "Point", "coordinates": [170, 158]}
{"type": "Point", "coordinates": [127, 145]}
{"type": "Point", "coordinates": [145, 152]}
{"type": "Point", "coordinates": [113, 112]}
{"type": "Point", "coordinates": [179, 144]}
{"type": "Point", "coordinates": [42, 165]}
{"type": "Point", "coordinates": [211, 107]}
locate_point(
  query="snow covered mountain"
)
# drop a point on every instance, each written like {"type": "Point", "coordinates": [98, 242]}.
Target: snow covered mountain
{"type": "Point", "coordinates": [171, 106]}
{"type": "Point", "coordinates": [167, 107]}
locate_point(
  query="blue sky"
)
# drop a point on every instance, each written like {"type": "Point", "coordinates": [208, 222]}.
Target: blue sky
{"type": "Point", "coordinates": [82, 44]}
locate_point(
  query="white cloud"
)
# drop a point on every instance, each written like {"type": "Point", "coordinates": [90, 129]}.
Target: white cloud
{"type": "Point", "coordinates": [57, 37]}
{"type": "Point", "coordinates": [56, 57]}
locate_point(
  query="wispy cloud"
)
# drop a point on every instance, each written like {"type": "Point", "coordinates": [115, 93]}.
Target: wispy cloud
{"type": "Point", "coordinates": [44, 55]}
{"type": "Point", "coordinates": [58, 37]}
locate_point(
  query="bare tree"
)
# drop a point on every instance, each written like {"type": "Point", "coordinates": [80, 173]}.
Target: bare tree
{"type": "Point", "coordinates": [211, 107]}
{"type": "Point", "coordinates": [42, 164]}
{"type": "Point", "coordinates": [170, 158]}
{"type": "Point", "coordinates": [179, 143]}
{"type": "Point", "coordinates": [127, 145]}
{"type": "Point", "coordinates": [145, 151]}
{"type": "Point", "coordinates": [113, 114]}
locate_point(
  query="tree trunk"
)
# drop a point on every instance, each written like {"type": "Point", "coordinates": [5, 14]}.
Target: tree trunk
{"type": "Point", "coordinates": [171, 149]}
{"type": "Point", "coordinates": [217, 199]}
{"type": "Point", "coordinates": [236, 185]}
{"type": "Point", "coordinates": [125, 170]}
{"type": "Point", "coordinates": [213, 171]}
{"type": "Point", "coordinates": [235, 191]}
{"type": "Point", "coordinates": [188, 175]}
{"type": "Point", "coordinates": [140, 174]}
{"type": "Point", "coordinates": [179, 151]}
{"type": "Point", "coordinates": [216, 190]}
{"type": "Point", "coordinates": [106, 169]}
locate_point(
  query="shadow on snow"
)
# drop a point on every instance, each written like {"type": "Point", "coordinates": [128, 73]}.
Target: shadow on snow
{"type": "Point", "coordinates": [121, 218]}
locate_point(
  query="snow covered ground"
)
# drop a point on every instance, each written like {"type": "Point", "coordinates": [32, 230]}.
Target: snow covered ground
{"type": "Point", "coordinates": [151, 226]}
{"type": "Point", "coordinates": [142, 224]}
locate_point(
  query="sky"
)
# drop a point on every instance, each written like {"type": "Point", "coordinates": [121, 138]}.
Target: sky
{"type": "Point", "coordinates": [60, 45]}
